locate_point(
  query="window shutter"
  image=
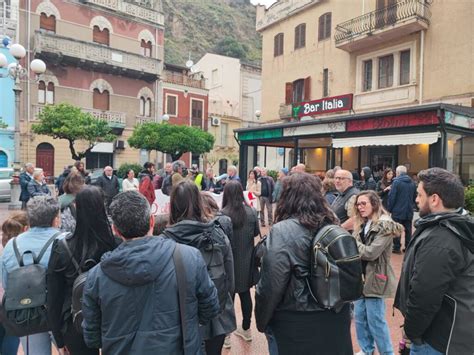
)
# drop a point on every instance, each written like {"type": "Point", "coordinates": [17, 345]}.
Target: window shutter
{"type": "Point", "coordinates": [307, 89]}
{"type": "Point", "coordinates": [99, 36]}
{"type": "Point", "coordinates": [288, 93]}
{"type": "Point", "coordinates": [148, 107]}
{"type": "Point", "coordinates": [321, 28]}
{"type": "Point", "coordinates": [101, 100]}
{"type": "Point", "coordinates": [50, 94]}
{"type": "Point", "coordinates": [303, 35]}
{"type": "Point", "coordinates": [41, 92]}
{"type": "Point", "coordinates": [327, 31]}
{"type": "Point", "coordinates": [48, 23]}
{"type": "Point", "coordinates": [276, 43]}
{"type": "Point", "coordinates": [297, 37]}
{"type": "Point", "coordinates": [142, 106]}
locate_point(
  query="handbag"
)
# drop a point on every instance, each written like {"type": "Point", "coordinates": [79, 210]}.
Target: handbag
{"type": "Point", "coordinates": [256, 261]}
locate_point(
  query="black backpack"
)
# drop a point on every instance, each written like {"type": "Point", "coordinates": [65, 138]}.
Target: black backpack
{"type": "Point", "coordinates": [211, 245]}
{"type": "Point", "coordinates": [336, 268]}
{"type": "Point", "coordinates": [24, 302]}
{"type": "Point", "coordinates": [167, 185]}
{"type": "Point", "coordinates": [78, 288]}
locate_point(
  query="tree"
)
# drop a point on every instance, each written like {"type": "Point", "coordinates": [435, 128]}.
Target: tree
{"type": "Point", "coordinates": [68, 122]}
{"type": "Point", "coordinates": [230, 47]}
{"type": "Point", "coordinates": [171, 139]}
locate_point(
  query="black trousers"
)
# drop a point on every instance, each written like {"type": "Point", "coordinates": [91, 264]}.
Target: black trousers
{"type": "Point", "coordinates": [214, 345]}
{"type": "Point", "coordinates": [75, 342]}
{"type": "Point", "coordinates": [246, 306]}
{"type": "Point", "coordinates": [406, 223]}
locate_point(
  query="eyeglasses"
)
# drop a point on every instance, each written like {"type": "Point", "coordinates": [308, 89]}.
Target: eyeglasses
{"type": "Point", "coordinates": [341, 178]}
{"type": "Point", "coordinates": [361, 203]}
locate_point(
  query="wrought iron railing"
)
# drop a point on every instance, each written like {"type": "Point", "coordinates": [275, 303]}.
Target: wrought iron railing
{"type": "Point", "coordinates": [379, 19]}
{"type": "Point", "coordinates": [183, 79]}
{"type": "Point", "coordinates": [144, 119]}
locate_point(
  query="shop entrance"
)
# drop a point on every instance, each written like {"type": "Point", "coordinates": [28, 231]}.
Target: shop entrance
{"type": "Point", "coordinates": [381, 158]}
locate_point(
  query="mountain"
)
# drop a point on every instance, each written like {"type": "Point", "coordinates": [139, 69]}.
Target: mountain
{"type": "Point", "coordinates": [195, 27]}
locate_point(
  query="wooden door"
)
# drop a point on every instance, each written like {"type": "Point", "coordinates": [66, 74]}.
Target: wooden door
{"type": "Point", "coordinates": [45, 158]}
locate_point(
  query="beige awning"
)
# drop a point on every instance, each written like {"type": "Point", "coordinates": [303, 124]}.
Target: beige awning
{"type": "Point", "coordinates": [396, 139]}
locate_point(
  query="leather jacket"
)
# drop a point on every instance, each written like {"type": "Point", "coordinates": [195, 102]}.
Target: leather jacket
{"type": "Point", "coordinates": [285, 266]}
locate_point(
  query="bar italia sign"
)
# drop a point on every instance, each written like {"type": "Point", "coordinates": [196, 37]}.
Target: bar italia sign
{"type": "Point", "coordinates": [321, 106]}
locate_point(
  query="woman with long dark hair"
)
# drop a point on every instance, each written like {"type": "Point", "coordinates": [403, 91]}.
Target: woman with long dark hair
{"type": "Point", "coordinates": [91, 238]}
{"type": "Point", "coordinates": [244, 229]}
{"type": "Point", "coordinates": [384, 186]}
{"type": "Point", "coordinates": [284, 305]}
{"type": "Point", "coordinates": [190, 222]}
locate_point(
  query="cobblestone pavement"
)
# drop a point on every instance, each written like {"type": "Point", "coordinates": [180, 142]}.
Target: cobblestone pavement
{"type": "Point", "coordinates": [258, 346]}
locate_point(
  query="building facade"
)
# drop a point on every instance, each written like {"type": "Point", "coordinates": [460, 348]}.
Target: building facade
{"type": "Point", "coordinates": [366, 83]}
{"type": "Point", "coordinates": [234, 102]}
{"type": "Point", "coordinates": [185, 102]}
{"type": "Point", "coordinates": [103, 56]}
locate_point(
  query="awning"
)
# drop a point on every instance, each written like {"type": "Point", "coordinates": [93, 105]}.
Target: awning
{"type": "Point", "coordinates": [103, 148]}
{"type": "Point", "coordinates": [396, 139]}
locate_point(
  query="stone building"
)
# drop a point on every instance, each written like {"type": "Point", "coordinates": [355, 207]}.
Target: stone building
{"type": "Point", "coordinates": [103, 56]}
{"type": "Point", "coordinates": [366, 83]}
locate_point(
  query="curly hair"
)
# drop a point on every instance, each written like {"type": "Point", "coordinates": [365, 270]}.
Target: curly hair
{"type": "Point", "coordinates": [301, 198]}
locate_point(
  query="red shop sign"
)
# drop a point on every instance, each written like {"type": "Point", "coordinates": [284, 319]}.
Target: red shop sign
{"type": "Point", "coordinates": [393, 121]}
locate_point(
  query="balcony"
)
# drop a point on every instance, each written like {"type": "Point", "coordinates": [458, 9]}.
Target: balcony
{"type": "Point", "coordinates": [59, 50]}
{"type": "Point", "coordinates": [144, 119]}
{"type": "Point", "coordinates": [116, 120]}
{"type": "Point", "coordinates": [184, 80]}
{"type": "Point", "coordinates": [383, 25]}
{"type": "Point", "coordinates": [130, 8]}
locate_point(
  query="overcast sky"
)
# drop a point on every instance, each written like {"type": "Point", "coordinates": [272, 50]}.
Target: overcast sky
{"type": "Point", "coordinates": [267, 3]}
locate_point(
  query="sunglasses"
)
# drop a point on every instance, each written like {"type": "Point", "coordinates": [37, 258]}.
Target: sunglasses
{"type": "Point", "coordinates": [361, 203]}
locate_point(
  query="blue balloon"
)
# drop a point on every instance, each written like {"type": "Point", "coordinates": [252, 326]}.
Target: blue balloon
{"type": "Point", "coordinates": [6, 41]}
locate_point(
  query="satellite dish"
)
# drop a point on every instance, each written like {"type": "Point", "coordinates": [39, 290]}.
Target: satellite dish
{"type": "Point", "coordinates": [189, 64]}
{"type": "Point", "coordinates": [193, 69]}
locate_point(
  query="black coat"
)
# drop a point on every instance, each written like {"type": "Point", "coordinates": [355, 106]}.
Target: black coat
{"type": "Point", "coordinates": [130, 303]}
{"type": "Point", "coordinates": [436, 289]}
{"type": "Point", "coordinates": [111, 187]}
{"type": "Point", "coordinates": [24, 180]}
{"type": "Point", "coordinates": [242, 241]}
{"type": "Point", "coordinates": [282, 285]}
{"type": "Point", "coordinates": [401, 198]}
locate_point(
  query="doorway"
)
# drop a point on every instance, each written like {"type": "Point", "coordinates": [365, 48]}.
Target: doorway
{"type": "Point", "coordinates": [381, 158]}
{"type": "Point", "coordinates": [45, 158]}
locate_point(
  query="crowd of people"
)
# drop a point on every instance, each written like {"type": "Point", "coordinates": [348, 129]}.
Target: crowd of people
{"type": "Point", "coordinates": [121, 280]}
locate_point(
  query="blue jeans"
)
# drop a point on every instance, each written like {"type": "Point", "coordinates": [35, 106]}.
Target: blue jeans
{"type": "Point", "coordinates": [371, 326]}
{"type": "Point", "coordinates": [423, 349]}
{"type": "Point", "coordinates": [37, 344]}
{"type": "Point", "coordinates": [272, 344]}
{"type": "Point", "coordinates": [9, 344]}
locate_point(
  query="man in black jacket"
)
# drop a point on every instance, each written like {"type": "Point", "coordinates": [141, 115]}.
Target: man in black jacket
{"type": "Point", "coordinates": [268, 185]}
{"type": "Point", "coordinates": [436, 289]}
{"type": "Point", "coordinates": [109, 184]}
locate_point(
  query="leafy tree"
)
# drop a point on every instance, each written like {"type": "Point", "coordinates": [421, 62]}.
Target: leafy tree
{"type": "Point", "coordinates": [68, 122]}
{"type": "Point", "coordinates": [230, 47]}
{"type": "Point", "coordinates": [126, 167]}
{"type": "Point", "coordinates": [171, 139]}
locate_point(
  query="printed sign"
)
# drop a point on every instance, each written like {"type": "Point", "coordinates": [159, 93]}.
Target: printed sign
{"type": "Point", "coordinates": [162, 202]}
{"type": "Point", "coordinates": [326, 105]}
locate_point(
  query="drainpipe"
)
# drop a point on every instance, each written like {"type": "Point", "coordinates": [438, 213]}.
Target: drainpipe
{"type": "Point", "coordinates": [363, 7]}
{"type": "Point", "coordinates": [28, 89]}
{"type": "Point", "coordinates": [422, 64]}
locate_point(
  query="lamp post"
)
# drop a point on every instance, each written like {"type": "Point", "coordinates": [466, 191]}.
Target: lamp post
{"type": "Point", "coordinates": [16, 72]}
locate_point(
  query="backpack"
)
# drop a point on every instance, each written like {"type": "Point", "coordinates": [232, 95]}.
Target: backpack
{"type": "Point", "coordinates": [211, 245]}
{"type": "Point", "coordinates": [335, 277]}
{"type": "Point", "coordinates": [24, 302]}
{"type": "Point", "coordinates": [68, 218]}
{"type": "Point", "coordinates": [166, 185]}
{"type": "Point", "coordinates": [77, 288]}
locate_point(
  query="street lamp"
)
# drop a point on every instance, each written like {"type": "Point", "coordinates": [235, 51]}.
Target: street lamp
{"type": "Point", "coordinates": [16, 72]}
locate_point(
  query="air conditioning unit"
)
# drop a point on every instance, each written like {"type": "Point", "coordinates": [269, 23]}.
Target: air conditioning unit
{"type": "Point", "coordinates": [215, 121]}
{"type": "Point", "coordinates": [119, 144]}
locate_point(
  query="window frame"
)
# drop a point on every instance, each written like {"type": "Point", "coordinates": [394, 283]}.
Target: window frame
{"type": "Point", "coordinates": [194, 118]}
{"type": "Point", "coordinates": [42, 92]}
{"type": "Point", "coordinates": [146, 48]}
{"type": "Point", "coordinates": [325, 82]}
{"type": "Point", "coordinates": [408, 64]}
{"type": "Point", "coordinates": [175, 114]}
{"type": "Point", "coordinates": [324, 26]}
{"type": "Point", "coordinates": [50, 93]}
{"type": "Point", "coordinates": [278, 44]}
{"type": "Point", "coordinates": [97, 97]}
{"type": "Point", "coordinates": [367, 79]}
{"type": "Point", "coordinates": [386, 81]}
{"type": "Point", "coordinates": [97, 34]}
{"type": "Point", "coordinates": [45, 24]}
{"type": "Point", "coordinates": [300, 36]}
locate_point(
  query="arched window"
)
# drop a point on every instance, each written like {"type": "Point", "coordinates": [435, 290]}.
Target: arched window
{"type": "Point", "coordinates": [324, 28]}
{"type": "Point", "coordinates": [101, 101]}
{"type": "Point", "coordinates": [142, 106]}
{"type": "Point", "coordinates": [146, 48]}
{"type": "Point", "coordinates": [50, 93]}
{"type": "Point", "coordinates": [102, 37]}
{"type": "Point", "coordinates": [300, 36]}
{"type": "Point", "coordinates": [278, 44]}
{"type": "Point", "coordinates": [48, 23]}
{"type": "Point", "coordinates": [148, 107]}
{"type": "Point", "coordinates": [41, 92]}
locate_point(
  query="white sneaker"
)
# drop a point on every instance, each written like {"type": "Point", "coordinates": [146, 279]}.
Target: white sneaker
{"type": "Point", "coordinates": [227, 343]}
{"type": "Point", "coordinates": [244, 334]}
{"type": "Point", "coordinates": [362, 353]}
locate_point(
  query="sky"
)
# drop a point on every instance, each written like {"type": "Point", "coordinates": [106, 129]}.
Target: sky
{"type": "Point", "coordinates": [267, 3]}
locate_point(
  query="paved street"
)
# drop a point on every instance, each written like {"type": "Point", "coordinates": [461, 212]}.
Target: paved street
{"type": "Point", "coordinates": [259, 343]}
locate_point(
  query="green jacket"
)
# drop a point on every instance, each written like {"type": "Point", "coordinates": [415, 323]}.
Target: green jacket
{"type": "Point", "coordinates": [380, 279]}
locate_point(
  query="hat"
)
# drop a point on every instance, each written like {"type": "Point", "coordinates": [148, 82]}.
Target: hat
{"type": "Point", "coordinates": [284, 171]}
